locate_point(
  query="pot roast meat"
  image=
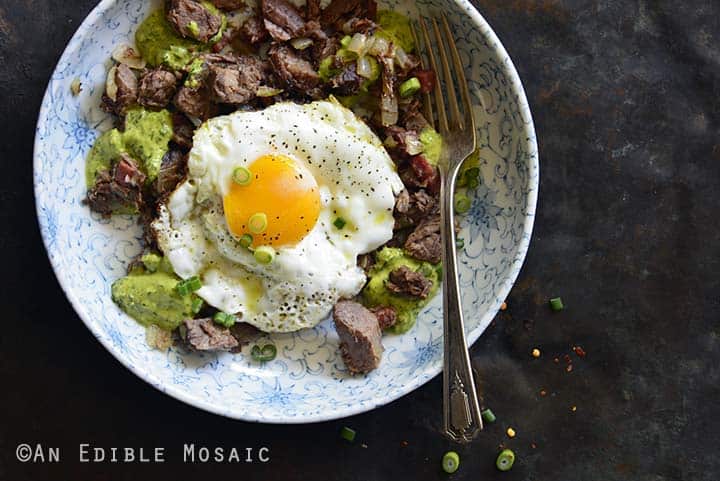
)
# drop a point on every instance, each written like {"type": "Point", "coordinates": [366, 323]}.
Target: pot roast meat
{"type": "Point", "coordinates": [157, 87]}
{"type": "Point", "coordinates": [404, 280]}
{"type": "Point", "coordinates": [236, 83]}
{"type": "Point", "coordinates": [195, 102]}
{"type": "Point", "coordinates": [183, 131]}
{"type": "Point", "coordinates": [424, 243]}
{"type": "Point", "coordinates": [127, 91]}
{"type": "Point", "coordinates": [294, 71]}
{"type": "Point", "coordinates": [282, 19]}
{"type": "Point", "coordinates": [386, 316]}
{"type": "Point", "coordinates": [410, 209]}
{"type": "Point", "coordinates": [172, 171]}
{"type": "Point", "coordinates": [228, 4]}
{"type": "Point", "coordinates": [193, 20]}
{"type": "Point", "coordinates": [206, 335]}
{"type": "Point", "coordinates": [253, 30]}
{"type": "Point", "coordinates": [118, 190]}
{"type": "Point", "coordinates": [360, 336]}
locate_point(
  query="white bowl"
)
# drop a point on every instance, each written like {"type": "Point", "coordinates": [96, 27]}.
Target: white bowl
{"type": "Point", "coordinates": [307, 382]}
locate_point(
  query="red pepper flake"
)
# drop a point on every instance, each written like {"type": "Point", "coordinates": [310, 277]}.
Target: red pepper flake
{"type": "Point", "coordinates": [404, 443]}
{"type": "Point", "coordinates": [503, 306]}
{"type": "Point", "coordinates": [579, 351]}
{"type": "Point", "coordinates": [543, 392]}
{"type": "Point", "coordinates": [556, 360]}
{"type": "Point", "coordinates": [568, 368]}
{"type": "Point", "coordinates": [533, 445]}
{"type": "Point", "coordinates": [567, 358]}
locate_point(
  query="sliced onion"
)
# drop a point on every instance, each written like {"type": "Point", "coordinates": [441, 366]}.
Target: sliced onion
{"type": "Point", "coordinates": [364, 67]}
{"type": "Point", "coordinates": [301, 43]}
{"type": "Point", "coordinates": [265, 91]}
{"type": "Point", "coordinates": [110, 85]}
{"type": "Point", "coordinates": [401, 58]}
{"type": "Point", "coordinates": [358, 44]}
{"type": "Point", "coordinates": [388, 110]}
{"type": "Point", "coordinates": [413, 146]}
{"type": "Point", "coordinates": [124, 53]}
{"type": "Point", "coordinates": [378, 45]}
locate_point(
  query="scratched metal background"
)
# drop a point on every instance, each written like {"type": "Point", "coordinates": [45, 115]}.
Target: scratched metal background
{"type": "Point", "coordinates": [625, 100]}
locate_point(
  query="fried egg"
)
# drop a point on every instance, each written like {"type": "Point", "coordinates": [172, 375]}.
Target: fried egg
{"type": "Point", "coordinates": [322, 186]}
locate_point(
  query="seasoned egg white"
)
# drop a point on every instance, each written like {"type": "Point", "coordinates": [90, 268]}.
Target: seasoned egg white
{"type": "Point", "coordinates": [312, 161]}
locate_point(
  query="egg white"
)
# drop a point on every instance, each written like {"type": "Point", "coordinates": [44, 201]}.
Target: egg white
{"type": "Point", "coordinates": [357, 181]}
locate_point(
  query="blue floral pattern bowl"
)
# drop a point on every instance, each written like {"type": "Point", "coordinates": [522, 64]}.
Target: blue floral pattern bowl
{"type": "Point", "coordinates": [307, 382]}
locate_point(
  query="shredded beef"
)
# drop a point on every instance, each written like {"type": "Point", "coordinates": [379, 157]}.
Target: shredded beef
{"type": "Point", "coordinates": [253, 30]}
{"type": "Point", "coordinates": [205, 335]}
{"type": "Point", "coordinates": [338, 9]}
{"type": "Point", "coordinates": [183, 131]}
{"type": "Point", "coordinates": [228, 4]}
{"type": "Point", "coordinates": [244, 333]}
{"type": "Point", "coordinates": [127, 91]}
{"type": "Point", "coordinates": [366, 261]}
{"type": "Point", "coordinates": [236, 83]}
{"type": "Point", "coordinates": [157, 88]}
{"type": "Point", "coordinates": [119, 190]}
{"type": "Point", "coordinates": [346, 82]}
{"type": "Point", "coordinates": [404, 280]}
{"type": "Point", "coordinates": [195, 102]}
{"type": "Point", "coordinates": [420, 174]}
{"type": "Point", "coordinates": [282, 19]}
{"type": "Point", "coordinates": [182, 13]}
{"type": "Point", "coordinates": [294, 71]}
{"type": "Point", "coordinates": [172, 171]}
{"type": "Point", "coordinates": [413, 208]}
{"type": "Point", "coordinates": [360, 336]}
{"type": "Point", "coordinates": [312, 10]}
{"type": "Point", "coordinates": [360, 25]}
{"type": "Point", "coordinates": [386, 316]}
{"type": "Point", "coordinates": [424, 243]}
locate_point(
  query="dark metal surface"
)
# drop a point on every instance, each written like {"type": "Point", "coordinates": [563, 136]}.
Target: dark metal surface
{"type": "Point", "coordinates": [625, 99]}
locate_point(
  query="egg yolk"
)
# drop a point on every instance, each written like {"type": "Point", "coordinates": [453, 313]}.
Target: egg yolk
{"type": "Point", "coordinates": [282, 194]}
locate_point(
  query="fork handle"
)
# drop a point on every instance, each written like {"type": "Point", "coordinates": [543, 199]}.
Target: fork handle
{"type": "Point", "coordinates": [461, 410]}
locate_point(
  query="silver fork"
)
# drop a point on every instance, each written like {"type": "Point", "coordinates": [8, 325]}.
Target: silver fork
{"type": "Point", "coordinates": [461, 410]}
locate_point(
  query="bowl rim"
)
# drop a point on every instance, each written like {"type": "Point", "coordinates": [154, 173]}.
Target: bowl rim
{"type": "Point", "coordinates": [508, 69]}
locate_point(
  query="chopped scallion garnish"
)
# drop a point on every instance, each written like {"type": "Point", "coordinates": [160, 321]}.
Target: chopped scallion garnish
{"type": "Point", "coordinates": [189, 285]}
{"type": "Point", "coordinates": [257, 223]}
{"type": "Point", "coordinates": [197, 304]}
{"type": "Point", "coordinates": [241, 176]}
{"type": "Point", "coordinates": [263, 354]}
{"type": "Point", "coordinates": [556, 304]}
{"type": "Point", "coordinates": [264, 254]}
{"type": "Point", "coordinates": [409, 87]}
{"type": "Point", "coordinates": [246, 240]}
{"type": "Point", "coordinates": [348, 434]}
{"type": "Point", "coordinates": [451, 462]}
{"type": "Point", "coordinates": [224, 319]}
{"type": "Point", "coordinates": [462, 203]}
{"type": "Point", "coordinates": [488, 416]}
{"type": "Point", "coordinates": [339, 223]}
{"type": "Point", "coordinates": [505, 460]}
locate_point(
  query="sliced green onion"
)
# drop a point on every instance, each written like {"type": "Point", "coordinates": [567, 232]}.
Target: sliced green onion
{"type": "Point", "coordinates": [462, 203]}
{"type": "Point", "coordinates": [459, 243]}
{"type": "Point", "coordinates": [488, 416]}
{"type": "Point", "coordinates": [471, 177]}
{"type": "Point", "coordinates": [264, 254]}
{"type": "Point", "coordinates": [263, 354]}
{"type": "Point", "coordinates": [257, 223]}
{"type": "Point", "coordinates": [556, 304]}
{"type": "Point", "coordinates": [339, 223]}
{"type": "Point", "coordinates": [450, 462]}
{"type": "Point", "coordinates": [348, 434]}
{"type": "Point", "coordinates": [246, 240]}
{"type": "Point", "coordinates": [505, 460]}
{"type": "Point", "coordinates": [409, 87]}
{"type": "Point", "coordinates": [224, 319]}
{"type": "Point", "coordinates": [345, 41]}
{"type": "Point", "coordinates": [241, 176]}
{"type": "Point", "coordinates": [189, 285]}
{"type": "Point", "coordinates": [197, 304]}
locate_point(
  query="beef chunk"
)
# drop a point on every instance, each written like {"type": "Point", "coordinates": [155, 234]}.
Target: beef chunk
{"type": "Point", "coordinates": [347, 82]}
{"type": "Point", "coordinates": [404, 280]}
{"type": "Point", "coordinates": [253, 30]}
{"type": "Point", "coordinates": [119, 190]}
{"type": "Point", "coordinates": [195, 102]}
{"type": "Point", "coordinates": [312, 10]}
{"type": "Point", "coordinates": [205, 335]}
{"type": "Point", "coordinates": [282, 19]}
{"type": "Point", "coordinates": [127, 91]}
{"type": "Point", "coordinates": [172, 171]}
{"type": "Point", "coordinates": [365, 262]}
{"type": "Point", "coordinates": [420, 174]}
{"type": "Point", "coordinates": [360, 336]}
{"type": "Point", "coordinates": [244, 333]}
{"type": "Point", "coordinates": [412, 208]}
{"type": "Point", "coordinates": [414, 120]}
{"type": "Point", "coordinates": [424, 243]}
{"type": "Point", "coordinates": [406, 142]}
{"type": "Point", "coordinates": [191, 19]}
{"type": "Point", "coordinates": [360, 25]}
{"type": "Point", "coordinates": [157, 88]}
{"type": "Point", "coordinates": [228, 4]}
{"type": "Point", "coordinates": [296, 72]}
{"type": "Point", "coordinates": [386, 316]}
{"type": "Point", "coordinates": [338, 9]}
{"type": "Point", "coordinates": [236, 83]}
{"type": "Point", "coordinates": [183, 131]}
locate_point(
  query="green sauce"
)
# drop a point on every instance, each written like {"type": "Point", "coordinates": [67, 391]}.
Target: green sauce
{"type": "Point", "coordinates": [151, 299]}
{"type": "Point", "coordinates": [432, 144]}
{"type": "Point", "coordinates": [376, 294]}
{"type": "Point", "coordinates": [396, 27]}
{"type": "Point", "coordinates": [159, 44]}
{"type": "Point", "coordinates": [145, 139]}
